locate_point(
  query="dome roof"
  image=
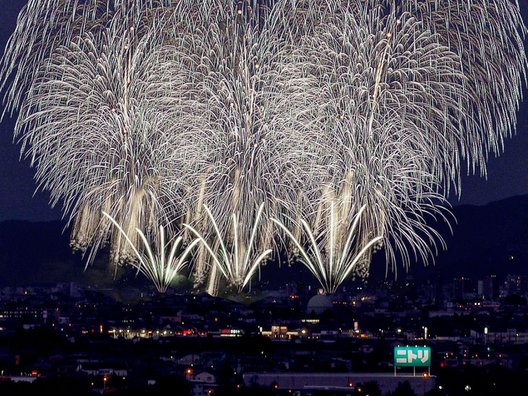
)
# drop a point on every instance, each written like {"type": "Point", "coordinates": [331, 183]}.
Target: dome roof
{"type": "Point", "coordinates": [319, 304]}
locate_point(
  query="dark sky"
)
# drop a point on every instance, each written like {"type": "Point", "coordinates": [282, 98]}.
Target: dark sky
{"type": "Point", "coordinates": [507, 175]}
{"type": "Point", "coordinates": [17, 188]}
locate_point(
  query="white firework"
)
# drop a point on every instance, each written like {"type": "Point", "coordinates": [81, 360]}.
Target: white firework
{"type": "Point", "coordinates": [245, 143]}
{"type": "Point", "coordinates": [159, 265]}
{"type": "Point", "coordinates": [234, 256]}
{"type": "Point", "coordinates": [333, 256]}
{"type": "Point", "coordinates": [150, 109]}
{"type": "Point", "coordinates": [97, 120]}
{"type": "Point", "coordinates": [390, 96]}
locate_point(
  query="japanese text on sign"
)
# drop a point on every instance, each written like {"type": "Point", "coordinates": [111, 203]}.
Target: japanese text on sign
{"type": "Point", "coordinates": [412, 356]}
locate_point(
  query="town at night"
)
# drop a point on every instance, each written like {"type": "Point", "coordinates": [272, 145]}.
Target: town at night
{"type": "Point", "coordinates": [263, 197]}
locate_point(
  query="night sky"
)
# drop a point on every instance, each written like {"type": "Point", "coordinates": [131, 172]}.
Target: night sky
{"type": "Point", "coordinates": [507, 175]}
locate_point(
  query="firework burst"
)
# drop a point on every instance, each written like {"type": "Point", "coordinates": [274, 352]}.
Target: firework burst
{"type": "Point", "coordinates": [382, 89]}
{"type": "Point", "coordinates": [155, 264]}
{"type": "Point", "coordinates": [289, 109]}
{"type": "Point", "coordinates": [234, 255]}
{"type": "Point", "coordinates": [97, 117]}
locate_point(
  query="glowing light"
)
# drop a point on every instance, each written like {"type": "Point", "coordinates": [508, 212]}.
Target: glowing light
{"type": "Point", "coordinates": [161, 268]}
{"type": "Point", "coordinates": [235, 257]}
{"type": "Point", "coordinates": [149, 110]}
{"type": "Point", "coordinates": [332, 254]}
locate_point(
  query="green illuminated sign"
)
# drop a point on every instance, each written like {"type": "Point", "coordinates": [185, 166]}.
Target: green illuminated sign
{"type": "Point", "coordinates": [412, 356]}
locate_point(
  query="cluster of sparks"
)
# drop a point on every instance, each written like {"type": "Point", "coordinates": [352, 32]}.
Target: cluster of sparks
{"type": "Point", "coordinates": [325, 129]}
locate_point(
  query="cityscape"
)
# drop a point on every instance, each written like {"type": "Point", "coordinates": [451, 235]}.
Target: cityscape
{"type": "Point", "coordinates": [93, 331]}
{"type": "Point", "coordinates": [286, 341]}
{"type": "Point", "coordinates": [263, 198]}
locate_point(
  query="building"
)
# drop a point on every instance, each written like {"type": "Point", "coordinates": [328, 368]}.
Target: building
{"type": "Point", "coordinates": [515, 285]}
{"type": "Point", "coordinates": [338, 382]}
{"type": "Point", "coordinates": [488, 288]}
{"type": "Point", "coordinates": [202, 384]}
{"type": "Point", "coordinates": [508, 336]}
{"type": "Point", "coordinates": [462, 289]}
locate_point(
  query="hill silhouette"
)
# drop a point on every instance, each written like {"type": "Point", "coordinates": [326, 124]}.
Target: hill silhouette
{"type": "Point", "coordinates": [39, 252]}
{"type": "Point", "coordinates": [486, 239]}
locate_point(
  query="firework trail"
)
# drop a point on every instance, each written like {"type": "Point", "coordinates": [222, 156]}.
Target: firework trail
{"type": "Point", "coordinates": [331, 258]}
{"type": "Point", "coordinates": [289, 109]}
{"type": "Point", "coordinates": [155, 264]}
{"type": "Point", "coordinates": [236, 258]}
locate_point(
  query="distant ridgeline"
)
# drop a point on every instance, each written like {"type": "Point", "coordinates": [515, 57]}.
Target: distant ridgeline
{"type": "Point", "coordinates": [487, 239]}
{"type": "Point", "coordinates": [38, 253]}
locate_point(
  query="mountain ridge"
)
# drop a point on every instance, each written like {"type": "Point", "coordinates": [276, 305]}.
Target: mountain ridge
{"type": "Point", "coordinates": [486, 239]}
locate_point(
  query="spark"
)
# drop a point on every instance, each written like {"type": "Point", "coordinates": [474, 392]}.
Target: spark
{"type": "Point", "coordinates": [157, 265]}
{"type": "Point", "coordinates": [236, 257]}
{"type": "Point", "coordinates": [331, 258]}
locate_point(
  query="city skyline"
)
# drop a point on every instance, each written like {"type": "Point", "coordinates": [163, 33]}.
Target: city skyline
{"type": "Point", "coordinates": [255, 194]}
